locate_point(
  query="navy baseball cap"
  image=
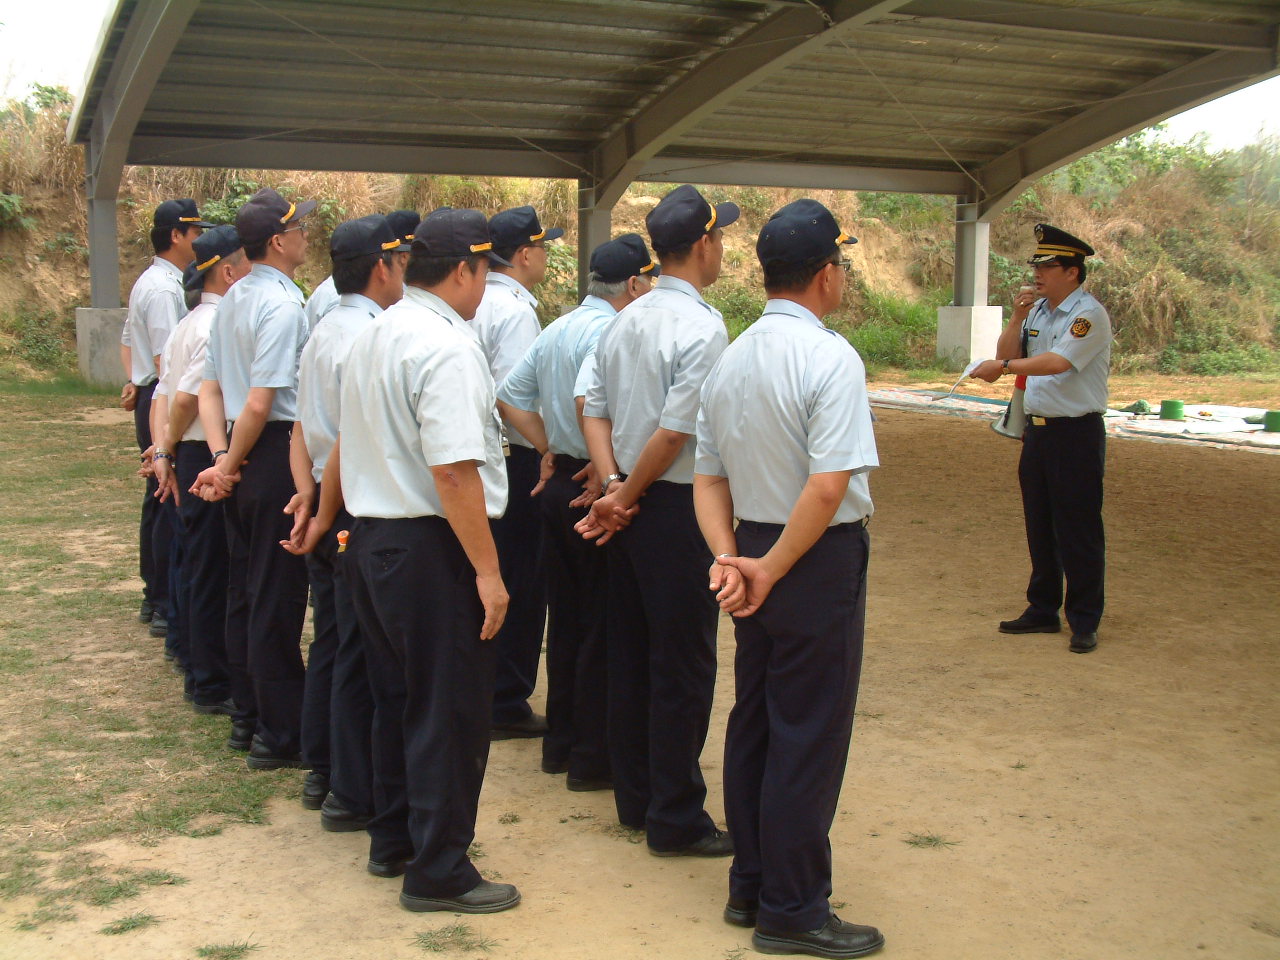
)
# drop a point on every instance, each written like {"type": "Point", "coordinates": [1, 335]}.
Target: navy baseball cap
{"type": "Point", "coordinates": [621, 258]}
{"type": "Point", "coordinates": [211, 247]}
{"type": "Point", "coordinates": [363, 237]}
{"type": "Point", "coordinates": [178, 213]}
{"type": "Point", "coordinates": [404, 222]}
{"type": "Point", "coordinates": [518, 227]}
{"type": "Point", "coordinates": [1054, 246]}
{"type": "Point", "coordinates": [267, 213]}
{"type": "Point", "coordinates": [802, 232]}
{"type": "Point", "coordinates": [683, 216]}
{"type": "Point", "coordinates": [452, 233]}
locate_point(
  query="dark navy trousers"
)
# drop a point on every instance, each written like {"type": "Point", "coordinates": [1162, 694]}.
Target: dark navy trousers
{"type": "Point", "coordinates": [662, 668]}
{"type": "Point", "coordinates": [518, 537]}
{"type": "Point", "coordinates": [577, 581]}
{"type": "Point", "coordinates": [1060, 472]}
{"type": "Point", "coordinates": [155, 528]}
{"type": "Point", "coordinates": [204, 578]}
{"type": "Point", "coordinates": [267, 593]}
{"type": "Point", "coordinates": [796, 674]}
{"type": "Point", "coordinates": [431, 676]}
{"type": "Point", "coordinates": [337, 707]}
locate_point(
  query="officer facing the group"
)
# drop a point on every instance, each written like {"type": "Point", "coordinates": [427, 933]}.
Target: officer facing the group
{"type": "Point", "coordinates": [1059, 338]}
{"type": "Point", "coordinates": [785, 445]}
{"type": "Point", "coordinates": [507, 325]}
{"type": "Point", "coordinates": [641, 410]}
{"type": "Point", "coordinates": [251, 382]}
{"type": "Point", "coordinates": [419, 464]}
{"type": "Point", "coordinates": [156, 304]}
{"type": "Point", "coordinates": [543, 380]}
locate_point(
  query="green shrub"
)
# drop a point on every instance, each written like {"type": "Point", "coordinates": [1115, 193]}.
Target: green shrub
{"type": "Point", "coordinates": [41, 338]}
{"type": "Point", "coordinates": [12, 214]}
{"type": "Point", "coordinates": [740, 304]}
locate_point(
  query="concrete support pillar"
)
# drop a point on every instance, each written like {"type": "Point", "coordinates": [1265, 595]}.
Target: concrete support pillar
{"type": "Point", "coordinates": [104, 250]}
{"type": "Point", "coordinates": [594, 226]}
{"type": "Point", "coordinates": [968, 329]}
{"type": "Point", "coordinates": [98, 345]}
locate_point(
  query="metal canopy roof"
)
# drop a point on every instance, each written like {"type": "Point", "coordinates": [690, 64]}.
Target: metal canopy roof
{"type": "Point", "coordinates": [974, 98]}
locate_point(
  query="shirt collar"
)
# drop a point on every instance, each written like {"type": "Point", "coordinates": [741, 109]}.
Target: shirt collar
{"type": "Point", "coordinates": [514, 285]}
{"type": "Point", "coordinates": [600, 304]}
{"type": "Point", "coordinates": [425, 298]}
{"type": "Point", "coordinates": [209, 297]}
{"type": "Point", "coordinates": [360, 302]}
{"type": "Point", "coordinates": [780, 306]}
{"type": "Point", "coordinates": [666, 282]}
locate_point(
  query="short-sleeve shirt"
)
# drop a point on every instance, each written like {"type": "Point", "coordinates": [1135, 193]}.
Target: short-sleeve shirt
{"type": "Point", "coordinates": [787, 399]}
{"type": "Point", "coordinates": [320, 373]}
{"type": "Point", "coordinates": [256, 340]}
{"type": "Point", "coordinates": [156, 304]}
{"type": "Point", "coordinates": [543, 380]}
{"type": "Point", "coordinates": [1079, 330]}
{"type": "Point", "coordinates": [506, 325]}
{"type": "Point", "coordinates": [184, 356]}
{"type": "Point", "coordinates": [424, 397]}
{"type": "Point", "coordinates": [651, 361]}
{"type": "Point", "coordinates": [323, 299]}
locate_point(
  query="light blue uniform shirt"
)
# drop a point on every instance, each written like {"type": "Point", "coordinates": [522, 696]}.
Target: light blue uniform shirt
{"type": "Point", "coordinates": [257, 336]}
{"type": "Point", "coordinates": [543, 379]}
{"type": "Point", "coordinates": [323, 299]}
{"type": "Point", "coordinates": [423, 397]}
{"type": "Point", "coordinates": [506, 324]}
{"type": "Point", "coordinates": [320, 373]}
{"type": "Point", "coordinates": [651, 361]}
{"type": "Point", "coordinates": [1079, 331]}
{"type": "Point", "coordinates": [156, 304]}
{"type": "Point", "coordinates": [787, 399]}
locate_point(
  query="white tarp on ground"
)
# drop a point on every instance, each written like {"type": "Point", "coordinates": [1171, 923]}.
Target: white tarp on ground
{"type": "Point", "coordinates": [1215, 424]}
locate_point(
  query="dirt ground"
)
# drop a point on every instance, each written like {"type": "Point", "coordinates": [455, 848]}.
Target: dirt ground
{"type": "Point", "coordinates": [1121, 804]}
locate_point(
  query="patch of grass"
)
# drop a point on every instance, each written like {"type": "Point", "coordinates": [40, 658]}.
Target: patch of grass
{"type": "Point", "coordinates": [226, 951]}
{"type": "Point", "coordinates": [476, 851]}
{"type": "Point", "coordinates": [160, 878]}
{"type": "Point", "coordinates": [135, 921]}
{"type": "Point", "coordinates": [46, 913]}
{"type": "Point", "coordinates": [928, 840]}
{"type": "Point", "coordinates": [618, 832]}
{"type": "Point", "coordinates": [456, 936]}
{"type": "Point", "coordinates": [103, 891]}
{"type": "Point", "coordinates": [509, 818]}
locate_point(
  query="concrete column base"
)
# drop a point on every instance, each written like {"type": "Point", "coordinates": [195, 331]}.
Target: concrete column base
{"type": "Point", "coordinates": [968, 333]}
{"type": "Point", "coordinates": [98, 344]}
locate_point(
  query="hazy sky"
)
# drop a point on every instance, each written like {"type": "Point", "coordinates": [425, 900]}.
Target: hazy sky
{"type": "Point", "coordinates": [51, 42]}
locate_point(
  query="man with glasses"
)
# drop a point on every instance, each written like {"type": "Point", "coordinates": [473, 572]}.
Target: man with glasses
{"type": "Point", "coordinates": [785, 444]}
{"type": "Point", "coordinates": [641, 409]}
{"type": "Point", "coordinates": [1059, 338]}
{"type": "Point", "coordinates": [543, 382]}
{"type": "Point", "coordinates": [507, 324]}
{"type": "Point", "coordinates": [251, 384]}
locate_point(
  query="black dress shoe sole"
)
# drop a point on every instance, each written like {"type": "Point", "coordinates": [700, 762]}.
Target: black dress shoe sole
{"type": "Point", "coordinates": [312, 803]}
{"type": "Point", "coordinates": [272, 763]}
{"type": "Point", "coordinates": [1032, 628]}
{"type": "Point", "coordinates": [555, 767]}
{"type": "Point", "coordinates": [710, 847]}
{"type": "Point", "coordinates": [241, 746]}
{"type": "Point", "coordinates": [159, 631]}
{"type": "Point", "coordinates": [431, 904]}
{"type": "Point", "coordinates": [1083, 648]}
{"type": "Point", "coordinates": [775, 944]}
{"type": "Point", "coordinates": [515, 733]}
{"type": "Point", "coordinates": [739, 916]}
{"type": "Point", "coordinates": [346, 825]}
{"type": "Point", "coordinates": [387, 871]}
{"type": "Point", "coordinates": [213, 709]}
{"type": "Point", "coordinates": [587, 785]}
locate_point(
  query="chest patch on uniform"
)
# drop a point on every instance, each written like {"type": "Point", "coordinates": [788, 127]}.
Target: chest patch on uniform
{"type": "Point", "coordinates": [1080, 327]}
{"type": "Point", "coordinates": [1033, 333]}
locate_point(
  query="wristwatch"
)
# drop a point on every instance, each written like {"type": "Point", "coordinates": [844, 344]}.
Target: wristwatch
{"type": "Point", "coordinates": [609, 480]}
{"type": "Point", "coordinates": [1004, 366]}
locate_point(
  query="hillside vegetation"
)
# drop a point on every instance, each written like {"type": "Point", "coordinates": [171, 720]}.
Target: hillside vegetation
{"type": "Point", "coordinates": [1188, 243]}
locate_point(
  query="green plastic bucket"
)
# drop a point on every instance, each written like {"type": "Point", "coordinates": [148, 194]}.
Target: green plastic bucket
{"type": "Point", "coordinates": [1171, 410]}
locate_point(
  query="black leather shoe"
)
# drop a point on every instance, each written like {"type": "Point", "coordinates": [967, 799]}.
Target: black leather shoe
{"type": "Point", "coordinates": [260, 758]}
{"type": "Point", "coordinates": [534, 725]}
{"type": "Point", "coordinates": [226, 708]}
{"type": "Point", "coordinates": [315, 787]}
{"type": "Point", "coordinates": [241, 735]}
{"type": "Point", "coordinates": [387, 869]}
{"type": "Point", "coordinates": [717, 843]}
{"type": "Point", "coordinates": [741, 913]}
{"type": "Point", "coordinates": [587, 784]}
{"type": "Point", "coordinates": [555, 766]}
{"type": "Point", "coordinates": [836, 938]}
{"type": "Point", "coordinates": [1084, 642]}
{"type": "Point", "coordinates": [1026, 624]}
{"type": "Point", "coordinates": [484, 897]}
{"type": "Point", "coordinates": [146, 612]}
{"type": "Point", "coordinates": [159, 626]}
{"type": "Point", "coordinates": [336, 818]}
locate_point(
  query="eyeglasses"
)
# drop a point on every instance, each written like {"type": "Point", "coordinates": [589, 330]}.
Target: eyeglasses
{"type": "Point", "coordinates": [843, 264]}
{"type": "Point", "coordinates": [301, 227]}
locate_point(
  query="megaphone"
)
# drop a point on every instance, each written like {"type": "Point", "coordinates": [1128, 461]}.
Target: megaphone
{"type": "Point", "coordinates": [1014, 419]}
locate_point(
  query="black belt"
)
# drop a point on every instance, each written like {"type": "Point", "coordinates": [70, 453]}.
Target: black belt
{"type": "Point", "coordinates": [1037, 421]}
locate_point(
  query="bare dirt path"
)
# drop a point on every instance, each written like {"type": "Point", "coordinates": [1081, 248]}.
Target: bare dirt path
{"type": "Point", "coordinates": [1121, 804]}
